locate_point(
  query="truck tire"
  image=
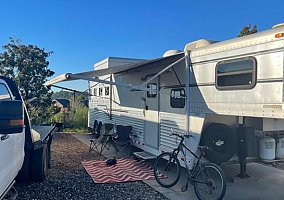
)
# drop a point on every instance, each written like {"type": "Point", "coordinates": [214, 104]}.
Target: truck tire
{"type": "Point", "coordinates": [39, 164]}
{"type": "Point", "coordinates": [24, 174]}
{"type": "Point", "coordinates": [222, 140]}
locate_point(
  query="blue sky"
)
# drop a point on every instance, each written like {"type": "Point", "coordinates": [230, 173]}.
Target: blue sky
{"type": "Point", "coordinates": [81, 33]}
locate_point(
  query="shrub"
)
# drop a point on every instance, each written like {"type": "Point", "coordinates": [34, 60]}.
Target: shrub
{"type": "Point", "coordinates": [77, 119]}
{"type": "Point", "coordinates": [81, 117]}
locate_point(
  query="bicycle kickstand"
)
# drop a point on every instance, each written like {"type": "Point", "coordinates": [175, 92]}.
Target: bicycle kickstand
{"type": "Point", "coordinates": [185, 187]}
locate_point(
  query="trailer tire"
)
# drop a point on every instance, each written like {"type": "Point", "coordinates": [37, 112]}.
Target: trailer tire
{"type": "Point", "coordinates": [223, 143]}
{"type": "Point", "coordinates": [40, 165]}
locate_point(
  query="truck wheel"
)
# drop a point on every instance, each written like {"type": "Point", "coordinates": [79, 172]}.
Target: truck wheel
{"type": "Point", "coordinates": [222, 140]}
{"type": "Point", "coordinates": [24, 174]}
{"type": "Point", "coordinates": [40, 165]}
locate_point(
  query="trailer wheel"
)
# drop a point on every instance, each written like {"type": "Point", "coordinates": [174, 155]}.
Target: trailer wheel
{"type": "Point", "coordinates": [223, 143]}
{"type": "Point", "coordinates": [40, 165]}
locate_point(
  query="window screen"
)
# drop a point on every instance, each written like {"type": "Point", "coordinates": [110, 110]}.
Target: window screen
{"type": "Point", "coordinates": [154, 87]}
{"type": "Point", "coordinates": [100, 91]}
{"type": "Point", "coordinates": [106, 91]}
{"type": "Point", "coordinates": [177, 98]}
{"type": "Point", "coordinates": [95, 92]}
{"type": "Point", "coordinates": [236, 74]}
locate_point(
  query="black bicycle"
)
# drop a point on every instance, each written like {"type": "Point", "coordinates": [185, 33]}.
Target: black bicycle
{"type": "Point", "coordinates": [207, 178]}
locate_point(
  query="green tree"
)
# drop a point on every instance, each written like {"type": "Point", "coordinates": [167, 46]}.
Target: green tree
{"type": "Point", "coordinates": [62, 95]}
{"type": "Point", "coordinates": [77, 102]}
{"type": "Point", "coordinates": [27, 65]}
{"type": "Point", "coordinates": [247, 30]}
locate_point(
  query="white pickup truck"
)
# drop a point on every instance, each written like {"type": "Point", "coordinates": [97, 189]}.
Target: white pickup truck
{"type": "Point", "coordinates": [24, 151]}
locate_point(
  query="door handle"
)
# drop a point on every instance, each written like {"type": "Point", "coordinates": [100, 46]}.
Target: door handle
{"type": "Point", "coordinates": [4, 137]}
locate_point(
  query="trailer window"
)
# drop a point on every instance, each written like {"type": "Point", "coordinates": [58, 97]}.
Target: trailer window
{"type": "Point", "coordinates": [4, 94]}
{"type": "Point", "coordinates": [236, 74]}
{"type": "Point", "coordinates": [177, 98]}
{"type": "Point", "coordinates": [100, 91]}
{"type": "Point", "coordinates": [95, 92]}
{"type": "Point", "coordinates": [153, 86]}
{"type": "Point", "coordinates": [106, 91]}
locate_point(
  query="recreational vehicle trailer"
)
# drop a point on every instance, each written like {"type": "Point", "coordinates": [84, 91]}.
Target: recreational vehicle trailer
{"type": "Point", "coordinates": [221, 93]}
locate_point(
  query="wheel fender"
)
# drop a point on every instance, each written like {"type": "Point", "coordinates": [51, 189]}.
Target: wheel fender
{"type": "Point", "coordinates": [39, 164]}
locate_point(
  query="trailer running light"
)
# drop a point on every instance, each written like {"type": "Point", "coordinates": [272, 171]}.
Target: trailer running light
{"type": "Point", "coordinates": [279, 35]}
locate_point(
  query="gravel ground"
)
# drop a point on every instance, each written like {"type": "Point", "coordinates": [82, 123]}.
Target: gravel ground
{"type": "Point", "coordinates": [68, 180]}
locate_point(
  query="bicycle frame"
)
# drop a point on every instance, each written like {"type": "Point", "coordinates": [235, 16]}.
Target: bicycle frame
{"type": "Point", "coordinates": [191, 172]}
{"type": "Point", "coordinates": [198, 175]}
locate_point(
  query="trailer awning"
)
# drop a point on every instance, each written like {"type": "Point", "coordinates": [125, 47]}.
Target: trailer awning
{"type": "Point", "coordinates": [89, 75]}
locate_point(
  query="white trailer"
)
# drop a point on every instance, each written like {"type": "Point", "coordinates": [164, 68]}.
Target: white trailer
{"type": "Point", "coordinates": [213, 91]}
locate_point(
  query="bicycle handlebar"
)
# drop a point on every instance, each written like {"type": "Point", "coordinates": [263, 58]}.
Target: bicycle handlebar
{"type": "Point", "coordinates": [181, 136]}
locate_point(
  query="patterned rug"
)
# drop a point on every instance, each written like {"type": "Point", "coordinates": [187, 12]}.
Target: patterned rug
{"type": "Point", "coordinates": [125, 170]}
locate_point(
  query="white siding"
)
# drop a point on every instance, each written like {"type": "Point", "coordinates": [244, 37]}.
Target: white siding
{"type": "Point", "coordinates": [169, 121]}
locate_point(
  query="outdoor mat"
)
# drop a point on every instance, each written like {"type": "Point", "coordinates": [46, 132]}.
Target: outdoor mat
{"type": "Point", "coordinates": [125, 170]}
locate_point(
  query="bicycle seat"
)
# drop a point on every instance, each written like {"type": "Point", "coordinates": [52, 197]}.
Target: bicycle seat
{"type": "Point", "coordinates": [203, 148]}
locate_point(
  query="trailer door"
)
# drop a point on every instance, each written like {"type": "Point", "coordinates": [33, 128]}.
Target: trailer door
{"type": "Point", "coordinates": [151, 113]}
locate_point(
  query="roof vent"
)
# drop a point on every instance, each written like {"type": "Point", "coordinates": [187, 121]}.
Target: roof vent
{"type": "Point", "coordinates": [171, 53]}
{"type": "Point", "coordinates": [278, 25]}
{"type": "Point", "coordinates": [198, 44]}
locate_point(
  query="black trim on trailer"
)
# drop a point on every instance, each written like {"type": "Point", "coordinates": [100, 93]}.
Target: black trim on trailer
{"type": "Point", "coordinates": [270, 80]}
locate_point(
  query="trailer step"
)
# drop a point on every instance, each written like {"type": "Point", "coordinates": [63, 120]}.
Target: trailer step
{"type": "Point", "coordinates": [144, 155]}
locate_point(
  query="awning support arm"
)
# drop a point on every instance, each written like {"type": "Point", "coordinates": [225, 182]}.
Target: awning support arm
{"type": "Point", "coordinates": [127, 85]}
{"type": "Point", "coordinates": [162, 71]}
{"type": "Point", "coordinates": [188, 71]}
{"type": "Point", "coordinates": [72, 90]}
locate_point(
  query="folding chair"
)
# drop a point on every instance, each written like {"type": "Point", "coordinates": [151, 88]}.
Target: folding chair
{"type": "Point", "coordinates": [97, 134]}
{"type": "Point", "coordinates": [101, 143]}
{"type": "Point", "coordinates": [95, 126]}
{"type": "Point", "coordinates": [121, 140]}
{"type": "Point", "coordinates": [106, 137]}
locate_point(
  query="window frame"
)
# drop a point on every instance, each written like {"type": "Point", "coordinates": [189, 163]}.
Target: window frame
{"type": "Point", "coordinates": [101, 91]}
{"type": "Point", "coordinates": [236, 87]}
{"type": "Point", "coordinates": [8, 93]}
{"type": "Point", "coordinates": [107, 94]}
{"type": "Point", "coordinates": [95, 91]}
{"type": "Point", "coordinates": [183, 99]}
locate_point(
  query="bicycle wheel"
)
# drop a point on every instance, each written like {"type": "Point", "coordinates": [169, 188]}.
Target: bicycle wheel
{"type": "Point", "coordinates": [167, 170]}
{"type": "Point", "coordinates": [210, 182]}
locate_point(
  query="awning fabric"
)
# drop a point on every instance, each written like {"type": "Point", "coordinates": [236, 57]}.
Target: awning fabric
{"type": "Point", "coordinates": [159, 62]}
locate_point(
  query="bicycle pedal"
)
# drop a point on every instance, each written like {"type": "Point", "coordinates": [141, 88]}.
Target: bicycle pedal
{"type": "Point", "coordinates": [183, 188]}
